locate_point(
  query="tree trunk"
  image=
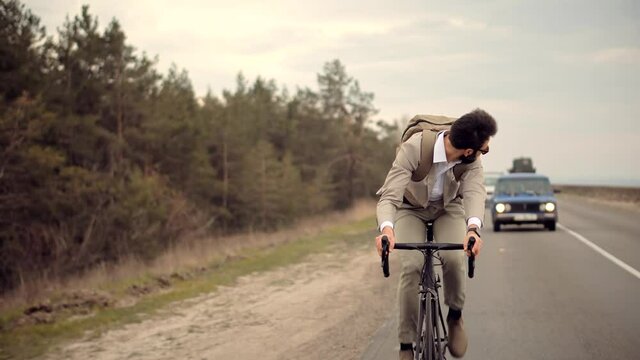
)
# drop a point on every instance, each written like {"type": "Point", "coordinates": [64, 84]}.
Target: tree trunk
{"type": "Point", "coordinates": [351, 174]}
{"type": "Point", "coordinates": [225, 179]}
{"type": "Point", "coordinates": [263, 190]}
{"type": "Point", "coordinates": [119, 113]}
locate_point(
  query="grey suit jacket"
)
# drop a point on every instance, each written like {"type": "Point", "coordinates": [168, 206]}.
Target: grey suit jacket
{"type": "Point", "coordinates": [469, 191]}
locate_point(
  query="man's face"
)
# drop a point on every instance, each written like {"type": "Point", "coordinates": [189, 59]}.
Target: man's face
{"type": "Point", "coordinates": [470, 155]}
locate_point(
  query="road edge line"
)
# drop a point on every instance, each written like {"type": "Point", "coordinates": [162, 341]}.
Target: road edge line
{"type": "Point", "coordinates": [602, 252]}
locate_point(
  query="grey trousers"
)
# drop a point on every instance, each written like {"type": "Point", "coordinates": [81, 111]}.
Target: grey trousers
{"type": "Point", "coordinates": [448, 226]}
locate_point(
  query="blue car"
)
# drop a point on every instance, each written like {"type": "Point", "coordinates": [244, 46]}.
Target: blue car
{"type": "Point", "coordinates": [524, 198]}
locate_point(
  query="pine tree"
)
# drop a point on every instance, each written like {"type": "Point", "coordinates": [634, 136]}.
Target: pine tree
{"type": "Point", "coordinates": [21, 58]}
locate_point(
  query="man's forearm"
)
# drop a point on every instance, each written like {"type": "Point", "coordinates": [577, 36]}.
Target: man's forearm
{"type": "Point", "coordinates": [385, 212]}
{"type": "Point", "coordinates": [474, 208]}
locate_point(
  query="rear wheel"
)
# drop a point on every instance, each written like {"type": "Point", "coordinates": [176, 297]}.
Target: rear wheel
{"type": "Point", "coordinates": [496, 226]}
{"type": "Point", "coordinates": [551, 225]}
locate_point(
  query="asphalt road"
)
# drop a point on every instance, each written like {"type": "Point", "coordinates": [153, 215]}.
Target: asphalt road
{"type": "Point", "coordinates": [547, 295]}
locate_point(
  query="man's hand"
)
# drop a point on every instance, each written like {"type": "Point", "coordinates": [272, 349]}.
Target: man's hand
{"type": "Point", "coordinates": [388, 231]}
{"type": "Point", "coordinates": [476, 247]}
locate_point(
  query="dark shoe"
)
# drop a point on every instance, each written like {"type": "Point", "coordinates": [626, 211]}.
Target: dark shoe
{"type": "Point", "coordinates": [406, 355]}
{"type": "Point", "coordinates": [457, 338]}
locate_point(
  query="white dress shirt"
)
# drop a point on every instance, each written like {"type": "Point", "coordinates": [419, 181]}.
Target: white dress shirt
{"type": "Point", "coordinates": [441, 166]}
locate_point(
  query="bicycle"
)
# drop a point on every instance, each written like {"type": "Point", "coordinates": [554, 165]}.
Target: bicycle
{"type": "Point", "coordinates": [432, 333]}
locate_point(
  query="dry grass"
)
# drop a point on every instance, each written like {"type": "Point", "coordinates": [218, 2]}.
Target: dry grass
{"type": "Point", "coordinates": [627, 198]}
{"type": "Point", "coordinates": [614, 194]}
{"type": "Point", "coordinates": [189, 255]}
{"type": "Point", "coordinates": [207, 250]}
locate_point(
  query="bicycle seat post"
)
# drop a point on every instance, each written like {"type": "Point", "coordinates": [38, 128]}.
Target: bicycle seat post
{"type": "Point", "coordinates": [429, 231]}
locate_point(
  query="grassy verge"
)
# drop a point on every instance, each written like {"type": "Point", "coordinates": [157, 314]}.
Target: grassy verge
{"type": "Point", "coordinates": [30, 341]}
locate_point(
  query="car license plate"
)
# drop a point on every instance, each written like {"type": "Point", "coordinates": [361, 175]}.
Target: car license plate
{"type": "Point", "coordinates": [525, 217]}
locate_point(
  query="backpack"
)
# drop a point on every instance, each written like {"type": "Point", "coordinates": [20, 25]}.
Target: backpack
{"type": "Point", "coordinates": [430, 126]}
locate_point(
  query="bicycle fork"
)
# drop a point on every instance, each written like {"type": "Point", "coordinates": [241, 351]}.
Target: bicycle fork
{"type": "Point", "coordinates": [432, 333]}
{"type": "Point", "coordinates": [438, 322]}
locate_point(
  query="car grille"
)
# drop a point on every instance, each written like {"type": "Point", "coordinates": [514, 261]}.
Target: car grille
{"type": "Point", "coordinates": [535, 207]}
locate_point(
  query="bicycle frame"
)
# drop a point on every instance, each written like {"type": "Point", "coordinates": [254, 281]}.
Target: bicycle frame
{"type": "Point", "coordinates": [432, 333]}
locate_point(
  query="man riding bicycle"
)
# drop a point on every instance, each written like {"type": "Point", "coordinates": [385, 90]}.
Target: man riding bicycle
{"type": "Point", "coordinates": [452, 196]}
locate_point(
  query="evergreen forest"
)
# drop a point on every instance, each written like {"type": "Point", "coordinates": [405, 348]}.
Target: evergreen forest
{"type": "Point", "coordinates": [103, 156]}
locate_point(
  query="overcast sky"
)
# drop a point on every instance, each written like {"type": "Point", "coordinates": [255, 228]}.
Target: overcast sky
{"type": "Point", "coordinates": [562, 78]}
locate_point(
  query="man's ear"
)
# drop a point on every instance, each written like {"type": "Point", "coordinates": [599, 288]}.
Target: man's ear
{"type": "Point", "coordinates": [468, 152]}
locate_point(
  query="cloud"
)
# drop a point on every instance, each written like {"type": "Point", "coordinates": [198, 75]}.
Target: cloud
{"type": "Point", "coordinates": [629, 55]}
{"type": "Point", "coordinates": [546, 73]}
{"type": "Point", "coordinates": [466, 24]}
{"type": "Point", "coordinates": [621, 55]}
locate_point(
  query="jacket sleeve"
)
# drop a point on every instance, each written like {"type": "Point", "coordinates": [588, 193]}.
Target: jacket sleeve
{"type": "Point", "coordinates": [473, 191]}
{"type": "Point", "coordinates": [398, 177]}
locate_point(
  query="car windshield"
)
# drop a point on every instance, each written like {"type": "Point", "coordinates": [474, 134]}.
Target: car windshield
{"type": "Point", "coordinates": [523, 186]}
{"type": "Point", "coordinates": [490, 181]}
{"type": "Point", "coordinates": [490, 178]}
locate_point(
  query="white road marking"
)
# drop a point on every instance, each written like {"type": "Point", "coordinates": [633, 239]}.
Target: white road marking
{"type": "Point", "coordinates": [601, 251]}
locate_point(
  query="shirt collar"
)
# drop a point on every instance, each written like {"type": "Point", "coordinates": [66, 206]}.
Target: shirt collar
{"type": "Point", "coordinates": [439, 152]}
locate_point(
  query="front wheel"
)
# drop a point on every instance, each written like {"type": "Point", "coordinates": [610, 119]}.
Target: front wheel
{"type": "Point", "coordinates": [496, 226]}
{"type": "Point", "coordinates": [423, 344]}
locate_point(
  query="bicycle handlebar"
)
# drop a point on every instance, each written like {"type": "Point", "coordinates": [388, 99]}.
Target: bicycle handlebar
{"type": "Point", "coordinates": [428, 246]}
{"type": "Point", "coordinates": [425, 246]}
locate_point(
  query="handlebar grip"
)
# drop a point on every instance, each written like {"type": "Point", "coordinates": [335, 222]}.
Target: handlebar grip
{"type": "Point", "coordinates": [385, 256]}
{"type": "Point", "coordinates": [472, 258]}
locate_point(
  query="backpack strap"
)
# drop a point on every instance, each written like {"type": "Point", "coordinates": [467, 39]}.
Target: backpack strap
{"type": "Point", "coordinates": [459, 170]}
{"type": "Point", "coordinates": [426, 155]}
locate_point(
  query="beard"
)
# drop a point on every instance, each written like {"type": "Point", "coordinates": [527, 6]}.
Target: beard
{"type": "Point", "coordinates": [468, 159]}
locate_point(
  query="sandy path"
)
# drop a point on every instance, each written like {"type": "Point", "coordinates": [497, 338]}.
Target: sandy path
{"type": "Point", "coordinates": [326, 307]}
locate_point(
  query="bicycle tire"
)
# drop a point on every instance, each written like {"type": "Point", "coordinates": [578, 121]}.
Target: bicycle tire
{"type": "Point", "coordinates": [438, 326]}
{"type": "Point", "coordinates": [422, 328]}
{"type": "Point", "coordinates": [429, 335]}
{"type": "Point", "coordinates": [426, 342]}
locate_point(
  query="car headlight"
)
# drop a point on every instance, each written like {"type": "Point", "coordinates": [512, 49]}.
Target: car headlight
{"type": "Point", "coordinates": [550, 206]}
{"type": "Point", "coordinates": [500, 208]}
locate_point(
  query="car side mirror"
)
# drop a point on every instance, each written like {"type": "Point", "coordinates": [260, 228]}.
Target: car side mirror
{"type": "Point", "coordinates": [557, 191]}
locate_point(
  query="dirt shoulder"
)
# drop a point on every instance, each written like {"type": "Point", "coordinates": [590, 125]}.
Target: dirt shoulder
{"type": "Point", "coordinates": [326, 307]}
{"type": "Point", "coordinates": [116, 296]}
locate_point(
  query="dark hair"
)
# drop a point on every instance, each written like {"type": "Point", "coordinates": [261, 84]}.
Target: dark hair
{"type": "Point", "coordinates": [472, 130]}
